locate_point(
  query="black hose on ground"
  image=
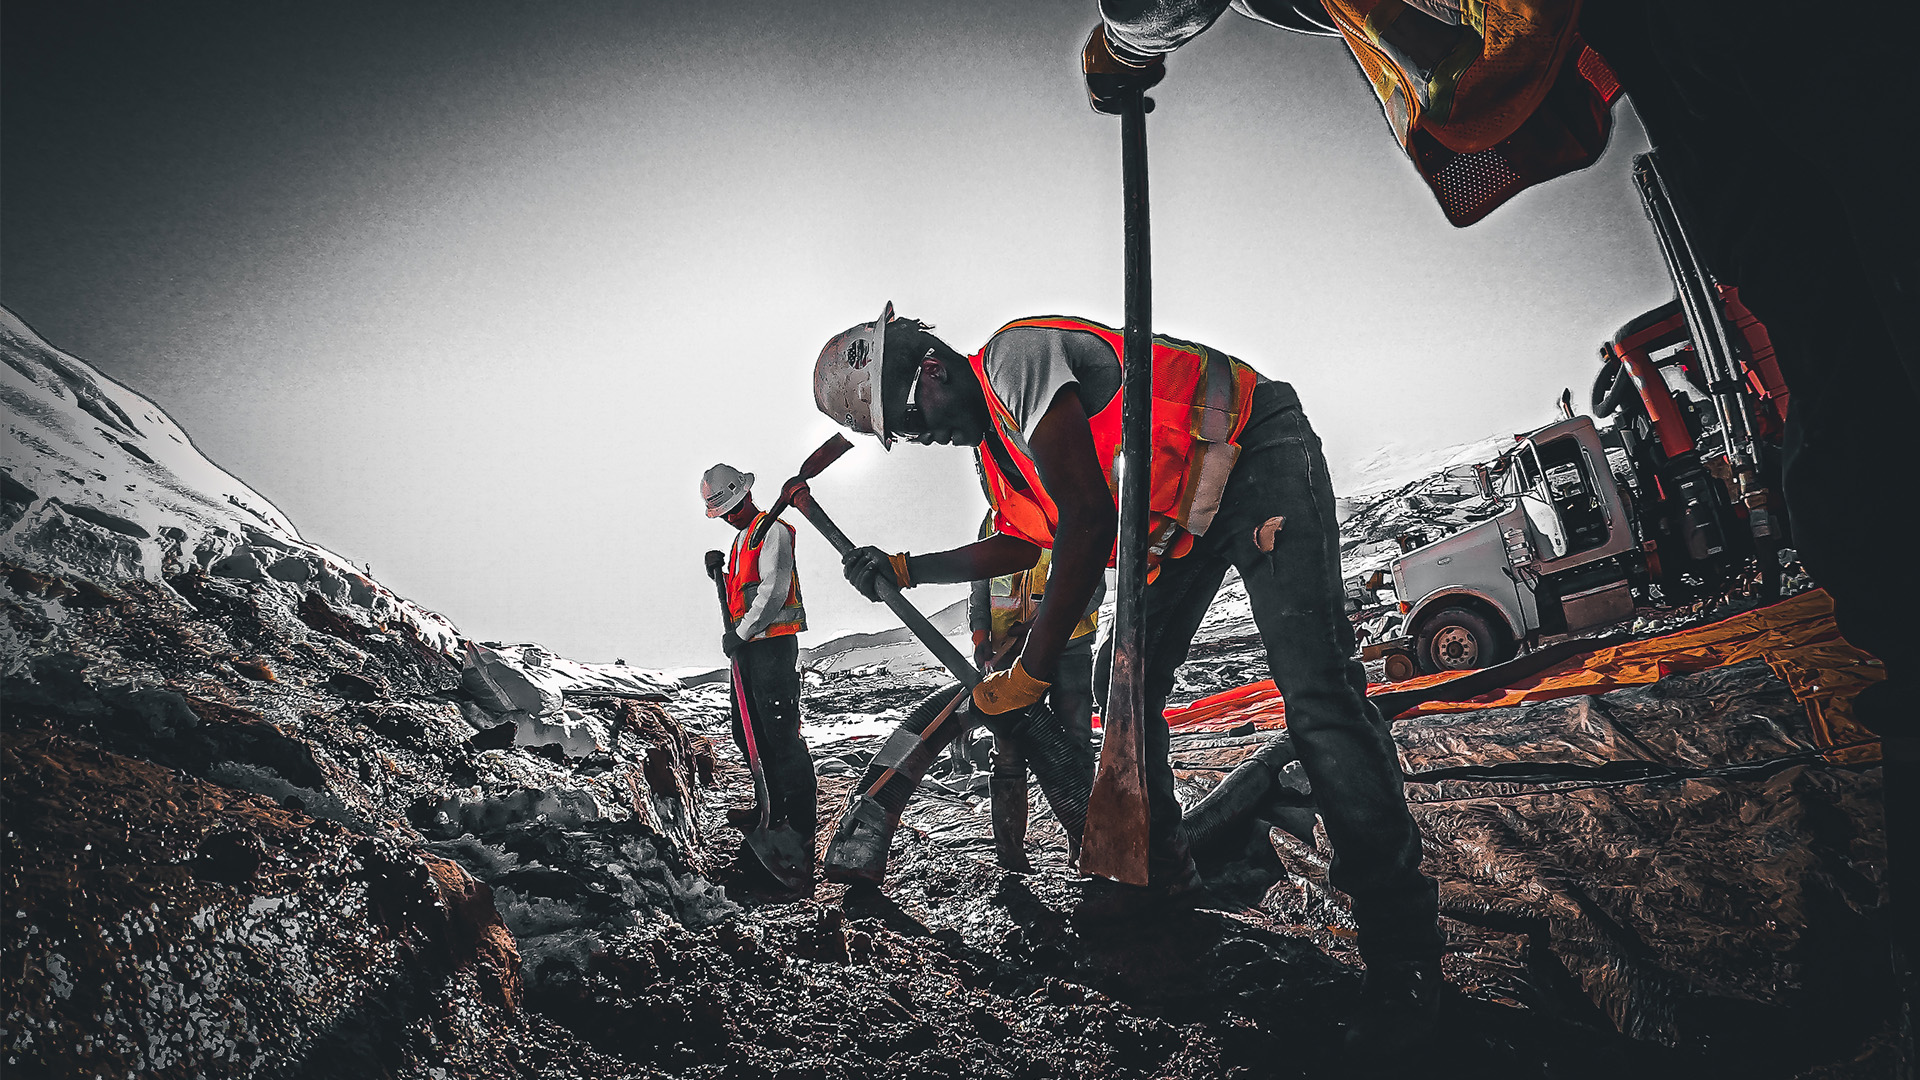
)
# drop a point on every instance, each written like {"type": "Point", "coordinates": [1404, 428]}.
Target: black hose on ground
{"type": "Point", "coordinates": [1214, 818]}
{"type": "Point", "coordinates": [864, 834]}
{"type": "Point", "coordinates": [1062, 763]}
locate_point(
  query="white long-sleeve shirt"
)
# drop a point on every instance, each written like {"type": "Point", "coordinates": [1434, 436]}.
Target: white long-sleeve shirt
{"type": "Point", "coordinates": [776, 580]}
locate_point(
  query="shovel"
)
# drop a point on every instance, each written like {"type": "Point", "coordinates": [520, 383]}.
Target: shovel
{"type": "Point", "coordinates": [1115, 843]}
{"type": "Point", "coordinates": [786, 854]}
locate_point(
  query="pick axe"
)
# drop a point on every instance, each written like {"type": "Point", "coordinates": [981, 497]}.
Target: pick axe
{"type": "Point", "coordinates": [815, 464]}
{"type": "Point", "coordinates": [781, 849]}
{"type": "Point", "coordinates": [1115, 843]}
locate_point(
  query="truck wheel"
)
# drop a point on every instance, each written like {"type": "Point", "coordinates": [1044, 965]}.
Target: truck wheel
{"type": "Point", "coordinates": [1400, 667]}
{"type": "Point", "coordinates": [1459, 639]}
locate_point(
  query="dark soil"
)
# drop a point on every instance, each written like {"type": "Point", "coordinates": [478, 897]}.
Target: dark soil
{"type": "Point", "coordinates": [256, 834]}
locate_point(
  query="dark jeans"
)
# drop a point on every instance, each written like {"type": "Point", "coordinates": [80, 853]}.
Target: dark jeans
{"type": "Point", "coordinates": [769, 670]}
{"type": "Point", "coordinates": [1298, 604]}
{"type": "Point", "coordinates": [1070, 698]}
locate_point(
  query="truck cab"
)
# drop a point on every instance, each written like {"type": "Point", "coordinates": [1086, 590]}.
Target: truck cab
{"type": "Point", "coordinates": [1559, 558]}
{"type": "Point", "coordinates": [1673, 500]}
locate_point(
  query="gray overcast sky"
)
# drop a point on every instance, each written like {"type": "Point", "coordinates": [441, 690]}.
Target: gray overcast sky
{"type": "Point", "coordinates": [475, 291]}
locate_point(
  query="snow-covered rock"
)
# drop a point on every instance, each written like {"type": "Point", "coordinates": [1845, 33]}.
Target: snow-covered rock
{"type": "Point", "coordinates": [99, 483]}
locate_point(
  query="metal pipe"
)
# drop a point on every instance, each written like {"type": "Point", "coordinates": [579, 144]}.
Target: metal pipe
{"type": "Point", "coordinates": [1700, 302]}
{"type": "Point", "coordinates": [1115, 845]}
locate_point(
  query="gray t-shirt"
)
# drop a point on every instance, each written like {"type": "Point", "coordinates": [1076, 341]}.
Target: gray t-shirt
{"type": "Point", "coordinates": [1028, 367]}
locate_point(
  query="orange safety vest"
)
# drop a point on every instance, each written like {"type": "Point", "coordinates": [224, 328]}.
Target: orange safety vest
{"type": "Point", "coordinates": [743, 581]}
{"type": "Point", "coordinates": [1201, 399]}
{"type": "Point", "coordinates": [1519, 100]}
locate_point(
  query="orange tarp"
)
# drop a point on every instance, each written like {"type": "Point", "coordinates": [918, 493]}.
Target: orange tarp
{"type": "Point", "coordinates": [1796, 637]}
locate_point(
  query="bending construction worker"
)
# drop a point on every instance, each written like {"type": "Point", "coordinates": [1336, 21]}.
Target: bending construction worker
{"type": "Point", "coordinates": [1237, 480]}
{"type": "Point", "coordinates": [1000, 612]}
{"type": "Point", "coordinates": [763, 603]}
{"type": "Point", "coordinates": [1780, 125]}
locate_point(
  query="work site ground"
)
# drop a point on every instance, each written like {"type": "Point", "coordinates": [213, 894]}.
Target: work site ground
{"type": "Point", "coordinates": [253, 831]}
{"type": "Point", "coordinates": [1661, 880]}
{"type": "Point", "coordinates": [263, 817]}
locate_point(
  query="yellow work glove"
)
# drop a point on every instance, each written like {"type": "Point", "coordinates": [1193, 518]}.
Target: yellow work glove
{"type": "Point", "coordinates": [1005, 691]}
{"type": "Point", "coordinates": [900, 576]}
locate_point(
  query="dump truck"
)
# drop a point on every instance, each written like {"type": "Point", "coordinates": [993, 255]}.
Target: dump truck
{"type": "Point", "coordinates": [1667, 499]}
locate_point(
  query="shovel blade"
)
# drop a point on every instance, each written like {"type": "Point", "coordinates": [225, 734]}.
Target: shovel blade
{"type": "Point", "coordinates": [786, 854]}
{"type": "Point", "coordinates": [1115, 843]}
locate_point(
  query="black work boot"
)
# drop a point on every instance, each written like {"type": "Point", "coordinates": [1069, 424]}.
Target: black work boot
{"type": "Point", "coordinates": [1173, 881]}
{"type": "Point", "coordinates": [1009, 795]}
{"type": "Point", "coordinates": [1398, 1013]}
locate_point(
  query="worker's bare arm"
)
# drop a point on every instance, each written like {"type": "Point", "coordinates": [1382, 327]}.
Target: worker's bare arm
{"type": "Point", "coordinates": [1062, 445]}
{"type": "Point", "coordinates": [996, 556]}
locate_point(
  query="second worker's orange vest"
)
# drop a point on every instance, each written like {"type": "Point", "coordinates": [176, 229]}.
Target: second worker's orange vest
{"type": "Point", "coordinates": [1200, 403]}
{"type": "Point", "coordinates": [743, 581]}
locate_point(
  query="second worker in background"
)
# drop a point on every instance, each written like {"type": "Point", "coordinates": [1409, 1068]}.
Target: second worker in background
{"type": "Point", "coordinates": [763, 606]}
{"type": "Point", "coordinates": [1000, 612]}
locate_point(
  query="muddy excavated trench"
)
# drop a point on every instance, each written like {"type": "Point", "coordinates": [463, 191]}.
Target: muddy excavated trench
{"type": "Point", "coordinates": [256, 831]}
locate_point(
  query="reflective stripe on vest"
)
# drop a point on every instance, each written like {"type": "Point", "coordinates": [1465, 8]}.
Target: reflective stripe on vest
{"type": "Point", "coordinates": [1518, 100]}
{"type": "Point", "coordinates": [743, 582]}
{"type": "Point", "coordinates": [1200, 403]}
{"type": "Point", "coordinates": [1015, 598]}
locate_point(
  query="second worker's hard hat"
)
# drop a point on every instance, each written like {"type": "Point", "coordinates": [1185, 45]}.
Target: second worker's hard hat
{"type": "Point", "coordinates": [723, 486]}
{"type": "Point", "coordinates": [846, 378]}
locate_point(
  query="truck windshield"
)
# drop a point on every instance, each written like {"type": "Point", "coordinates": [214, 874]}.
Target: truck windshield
{"type": "Point", "coordinates": [1566, 483]}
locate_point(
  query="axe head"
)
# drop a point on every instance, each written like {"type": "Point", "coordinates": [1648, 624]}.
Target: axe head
{"type": "Point", "coordinates": [816, 463]}
{"type": "Point", "coordinates": [828, 453]}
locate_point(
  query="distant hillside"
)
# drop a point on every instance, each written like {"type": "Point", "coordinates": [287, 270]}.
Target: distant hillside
{"type": "Point", "coordinates": [949, 620]}
{"type": "Point", "coordinates": [895, 647]}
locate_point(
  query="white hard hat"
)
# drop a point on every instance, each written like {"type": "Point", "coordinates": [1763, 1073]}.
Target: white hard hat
{"type": "Point", "coordinates": [723, 486]}
{"type": "Point", "coordinates": [846, 378]}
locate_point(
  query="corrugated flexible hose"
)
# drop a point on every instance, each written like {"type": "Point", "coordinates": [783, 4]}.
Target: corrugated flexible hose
{"type": "Point", "coordinates": [858, 851]}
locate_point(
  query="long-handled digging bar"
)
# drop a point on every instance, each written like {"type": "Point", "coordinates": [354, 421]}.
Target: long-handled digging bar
{"type": "Point", "coordinates": [781, 848]}
{"type": "Point", "coordinates": [858, 851]}
{"type": "Point", "coordinates": [1115, 843]}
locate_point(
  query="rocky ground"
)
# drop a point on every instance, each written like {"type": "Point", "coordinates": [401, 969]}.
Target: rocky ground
{"type": "Point", "coordinates": [265, 819]}
{"type": "Point", "coordinates": [226, 857]}
{"type": "Point", "coordinates": [1665, 879]}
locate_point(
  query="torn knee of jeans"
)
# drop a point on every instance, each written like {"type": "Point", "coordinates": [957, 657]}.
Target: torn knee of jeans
{"type": "Point", "coordinates": [1267, 532]}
